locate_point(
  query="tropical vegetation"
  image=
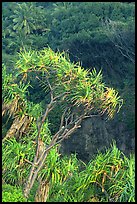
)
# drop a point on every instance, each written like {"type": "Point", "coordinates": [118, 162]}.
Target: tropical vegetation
{"type": "Point", "coordinates": [58, 71]}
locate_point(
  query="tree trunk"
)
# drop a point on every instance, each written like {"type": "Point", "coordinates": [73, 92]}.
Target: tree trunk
{"type": "Point", "coordinates": [42, 192]}
{"type": "Point", "coordinates": [18, 127]}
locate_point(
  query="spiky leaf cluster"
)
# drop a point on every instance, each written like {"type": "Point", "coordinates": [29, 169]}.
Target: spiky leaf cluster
{"type": "Point", "coordinates": [83, 87]}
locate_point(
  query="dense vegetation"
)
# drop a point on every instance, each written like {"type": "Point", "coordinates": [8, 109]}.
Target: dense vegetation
{"type": "Point", "coordinates": [46, 95]}
{"type": "Point", "coordinates": [87, 31]}
{"type": "Point", "coordinates": [109, 177]}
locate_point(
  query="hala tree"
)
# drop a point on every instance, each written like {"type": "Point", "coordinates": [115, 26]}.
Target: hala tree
{"type": "Point", "coordinates": [81, 93]}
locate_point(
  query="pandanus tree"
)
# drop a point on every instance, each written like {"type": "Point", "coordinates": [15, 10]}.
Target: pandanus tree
{"type": "Point", "coordinates": [81, 93]}
{"type": "Point", "coordinates": [14, 103]}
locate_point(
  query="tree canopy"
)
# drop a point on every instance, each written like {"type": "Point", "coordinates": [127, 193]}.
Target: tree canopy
{"type": "Point", "coordinates": [81, 93]}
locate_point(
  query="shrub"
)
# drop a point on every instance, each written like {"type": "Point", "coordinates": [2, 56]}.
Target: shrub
{"type": "Point", "coordinates": [12, 194]}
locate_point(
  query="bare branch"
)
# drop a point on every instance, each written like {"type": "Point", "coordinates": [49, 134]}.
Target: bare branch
{"type": "Point", "coordinates": [51, 89]}
{"type": "Point", "coordinates": [29, 162]}
{"type": "Point", "coordinates": [62, 118]}
{"type": "Point", "coordinates": [60, 95]}
{"type": "Point", "coordinates": [117, 38]}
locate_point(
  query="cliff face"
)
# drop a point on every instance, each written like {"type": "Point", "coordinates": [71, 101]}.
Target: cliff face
{"type": "Point", "coordinates": [97, 134]}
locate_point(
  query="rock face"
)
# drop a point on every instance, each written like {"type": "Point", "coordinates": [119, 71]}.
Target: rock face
{"type": "Point", "coordinates": [97, 134]}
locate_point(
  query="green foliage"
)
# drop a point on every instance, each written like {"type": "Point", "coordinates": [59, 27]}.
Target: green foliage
{"type": "Point", "coordinates": [10, 89]}
{"type": "Point", "coordinates": [8, 61]}
{"type": "Point", "coordinates": [14, 94]}
{"type": "Point", "coordinates": [15, 169]}
{"type": "Point", "coordinates": [12, 194]}
{"type": "Point", "coordinates": [79, 28]}
{"type": "Point", "coordinates": [25, 19]}
{"type": "Point", "coordinates": [84, 87]}
{"type": "Point", "coordinates": [76, 27]}
{"type": "Point", "coordinates": [17, 154]}
{"type": "Point", "coordinates": [34, 110]}
{"type": "Point", "coordinates": [59, 168]}
{"type": "Point", "coordinates": [110, 176]}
